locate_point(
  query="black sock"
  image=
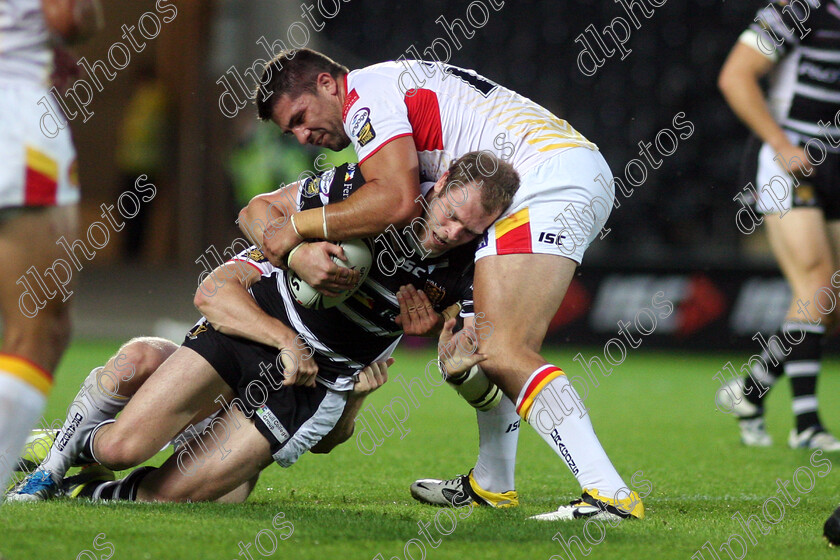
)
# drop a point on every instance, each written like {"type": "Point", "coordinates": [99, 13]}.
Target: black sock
{"type": "Point", "coordinates": [123, 489]}
{"type": "Point", "coordinates": [802, 367]}
{"type": "Point", "coordinates": [764, 372]}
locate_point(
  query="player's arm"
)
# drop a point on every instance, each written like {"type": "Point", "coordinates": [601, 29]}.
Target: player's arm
{"type": "Point", "coordinates": [72, 20]}
{"type": "Point", "coordinates": [370, 379]}
{"type": "Point", "coordinates": [387, 197]}
{"type": "Point", "coordinates": [268, 214]}
{"type": "Point", "coordinates": [272, 208]}
{"type": "Point", "coordinates": [739, 82]}
{"type": "Point", "coordinates": [223, 299]}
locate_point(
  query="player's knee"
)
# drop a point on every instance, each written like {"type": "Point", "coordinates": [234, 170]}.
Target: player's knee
{"type": "Point", "coordinates": [120, 452]}
{"type": "Point", "coordinates": [144, 355]}
{"type": "Point", "coordinates": [503, 357]}
{"type": "Point", "coordinates": [815, 268]}
{"type": "Point", "coordinates": [498, 352]}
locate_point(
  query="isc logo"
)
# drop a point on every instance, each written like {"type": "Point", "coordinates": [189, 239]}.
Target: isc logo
{"type": "Point", "coordinates": [409, 267]}
{"type": "Point", "coordinates": [547, 237]}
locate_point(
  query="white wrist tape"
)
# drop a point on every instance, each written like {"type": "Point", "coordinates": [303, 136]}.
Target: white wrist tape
{"type": "Point", "coordinates": [475, 388]}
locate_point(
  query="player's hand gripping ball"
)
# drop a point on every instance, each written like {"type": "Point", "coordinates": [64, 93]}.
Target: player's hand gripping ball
{"type": "Point", "coordinates": [359, 258]}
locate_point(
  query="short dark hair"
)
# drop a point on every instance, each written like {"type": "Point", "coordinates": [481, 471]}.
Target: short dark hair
{"type": "Point", "coordinates": [496, 180]}
{"type": "Point", "coordinates": [292, 72]}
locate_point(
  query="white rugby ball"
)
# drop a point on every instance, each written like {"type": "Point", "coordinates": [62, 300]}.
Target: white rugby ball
{"type": "Point", "coordinates": [358, 258]}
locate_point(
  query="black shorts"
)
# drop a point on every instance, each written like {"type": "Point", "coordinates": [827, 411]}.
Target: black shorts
{"type": "Point", "coordinates": [292, 418]}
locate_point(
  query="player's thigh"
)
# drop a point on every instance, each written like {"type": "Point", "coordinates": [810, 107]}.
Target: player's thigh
{"type": "Point", "coordinates": [34, 321]}
{"type": "Point", "coordinates": [198, 472]}
{"type": "Point", "coordinates": [519, 295]}
{"type": "Point", "coordinates": [801, 244]}
{"type": "Point", "coordinates": [183, 387]}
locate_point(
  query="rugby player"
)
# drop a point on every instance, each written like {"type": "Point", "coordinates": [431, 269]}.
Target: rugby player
{"type": "Point", "coordinates": [799, 203]}
{"type": "Point", "coordinates": [39, 193]}
{"type": "Point", "coordinates": [413, 118]}
{"type": "Point", "coordinates": [251, 324]}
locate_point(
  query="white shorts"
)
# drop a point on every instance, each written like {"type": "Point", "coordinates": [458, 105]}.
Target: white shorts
{"type": "Point", "coordinates": [559, 209]}
{"type": "Point", "coordinates": [778, 192]}
{"type": "Point", "coordinates": [35, 170]}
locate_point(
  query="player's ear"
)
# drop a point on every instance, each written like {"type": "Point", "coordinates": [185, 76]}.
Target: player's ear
{"type": "Point", "coordinates": [441, 182]}
{"type": "Point", "coordinates": [327, 82]}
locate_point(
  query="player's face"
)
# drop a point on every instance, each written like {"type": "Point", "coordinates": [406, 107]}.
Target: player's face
{"type": "Point", "coordinates": [455, 216]}
{"type": "Point", "coordinates": [313, 119]}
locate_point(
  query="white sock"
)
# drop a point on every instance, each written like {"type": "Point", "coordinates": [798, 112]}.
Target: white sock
{"type": "Point", "coordinates": [23, 390]}
{"type": "Point", "coordinates": [498, 435]}
{"type": "Point", "coordinates": [552, 406]}
{"type": "Point", "coordinates": [91, 406]}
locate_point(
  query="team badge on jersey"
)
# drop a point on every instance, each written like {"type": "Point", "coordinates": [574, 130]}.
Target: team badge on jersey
{"type": "Point", "coordinates": [257, 256]}
{"type": "Point", "coordinates": [361, 127]}
{"type": "Point", "coordinates": [434, 292]}
{"type": "Point", "coordinates": [197, 330]}
{"type": "Point", "coordinates": [311, 186]}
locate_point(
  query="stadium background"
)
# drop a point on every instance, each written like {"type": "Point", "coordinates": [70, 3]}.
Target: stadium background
{"type": "Point", "coordinates": [677, 229]}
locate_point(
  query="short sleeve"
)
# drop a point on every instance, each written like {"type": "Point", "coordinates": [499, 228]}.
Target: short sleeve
{"type": "Point", "coordinates": [329, 186]}
{"type": "Point", "coordinates": [375, 112]}
{"type": "Point", "coordinates": [254, 257]}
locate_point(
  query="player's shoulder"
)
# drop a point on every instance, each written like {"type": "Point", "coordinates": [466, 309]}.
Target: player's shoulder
{"type": "Point", "coordinates": [380, 70]}
{"type": "Point", "coordinates": [786, 16]}
{"type": "Point", "coordinates": [375, 80]}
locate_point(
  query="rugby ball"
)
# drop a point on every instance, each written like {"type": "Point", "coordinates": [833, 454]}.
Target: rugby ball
{"type": "Point", "coordinates": [358, 258]}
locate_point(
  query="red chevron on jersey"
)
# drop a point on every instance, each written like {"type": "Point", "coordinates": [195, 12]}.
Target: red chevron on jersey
{"type": "Point", "coordinates": [424, 116]}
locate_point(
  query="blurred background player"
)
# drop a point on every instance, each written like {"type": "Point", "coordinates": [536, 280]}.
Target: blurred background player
{"type": "Point", "coordinates": [143, 148]}
{"type": "Point", "coordinates": [800, 201]}
{"type": "Point", "coordinates": [38, 205]}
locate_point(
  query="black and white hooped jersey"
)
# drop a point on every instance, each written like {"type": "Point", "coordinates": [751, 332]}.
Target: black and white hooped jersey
{"type": "Point", "coordinates": [361, 330]}
{"type": "Point", "coordinates": [804, 39]}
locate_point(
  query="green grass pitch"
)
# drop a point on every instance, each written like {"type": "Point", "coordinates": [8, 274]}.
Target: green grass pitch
{"type": "Point", "coordinates": [654, 414]}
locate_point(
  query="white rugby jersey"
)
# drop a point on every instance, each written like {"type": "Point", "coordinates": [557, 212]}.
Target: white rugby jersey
{"type": "Point", "coordinates": [805, 84]}
{"type": "Point", "coordinates": [449, 111]}
{"type": "Point", "coordinates": [25, 53]}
